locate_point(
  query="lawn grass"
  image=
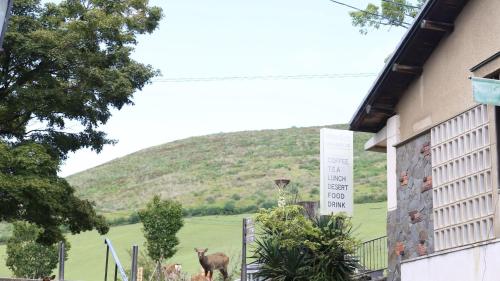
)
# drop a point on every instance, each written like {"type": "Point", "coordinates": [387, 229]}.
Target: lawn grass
{"type": "Point", "coordinates": [218, 233]}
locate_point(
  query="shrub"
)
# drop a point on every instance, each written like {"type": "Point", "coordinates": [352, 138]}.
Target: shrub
{"type": "Point", "coordinates": [314, 191]}
{"type": "Point", "coordinates": [210, 200]}
{"type": "Point", "coordinates": [27, 258]}
{"type": "Point", "coordinates": [161, 220]}
{"type": "Point", "coordinates": [131, 219]}
{"type": "Point", "coordinates": [249, 209]}
{"type": "Point", "coordinates": [291, 247]}
{"type": "Point", "coordinates": [280, 264]}
{"type": "Point", "coordinates": [229, 208]}
{"type": "Point", "coordinates": [370, 198]}
{"type": "Point", "coordinates": [236, 197]}
{"type": "Point", "coordinates": [334, 257]}
{"type": "Point", "coordinates": [260, 201]}
{"type": "Point", "coordinates": [268, 204]}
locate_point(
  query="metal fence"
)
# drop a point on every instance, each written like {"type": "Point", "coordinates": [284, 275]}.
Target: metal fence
{"type": "Point", "coordinates": [252, 270]}
{"type": "Point", "coordinates": [118, 265]}
{"type": "Point", "coordinates": [372, 255]}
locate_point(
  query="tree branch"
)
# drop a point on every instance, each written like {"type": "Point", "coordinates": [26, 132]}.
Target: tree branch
{"type": "Point", "coordinates": [402, 23]}
{"type": "Point", "coordinates": [401, 4]}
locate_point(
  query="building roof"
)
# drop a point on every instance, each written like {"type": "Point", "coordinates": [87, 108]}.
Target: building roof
{"type": "Point", "coordinates": [434, 22]}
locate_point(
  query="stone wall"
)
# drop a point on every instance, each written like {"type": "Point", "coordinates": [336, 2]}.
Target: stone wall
{"type": "Point", "coordinates": [410, 226]}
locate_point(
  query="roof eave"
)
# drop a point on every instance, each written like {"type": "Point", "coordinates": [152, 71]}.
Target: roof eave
{"type": "Point", "coordinates": [353, 124]}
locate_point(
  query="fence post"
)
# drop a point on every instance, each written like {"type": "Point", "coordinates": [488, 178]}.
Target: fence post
{"type": "Point", "coordinates": [244, 252]}
{"type": "Point", "coordinates": [135, 250]}
{"type": "Point", "coordinates": [61, 260]}
{"type": "Point", "coordinates": [106, 266]}
{"type": "Point", "coordinates": [140, 273]}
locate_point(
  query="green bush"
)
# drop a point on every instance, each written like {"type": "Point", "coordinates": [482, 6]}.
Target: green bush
{"type": "Point", "coordinates": [268, 204]}
{"type": "Point", "coordinates": [27, 258]}
{"type": "Point", "coordinates": [131, 219]}
{"type": "Point", "coordinates": [293, 248]}
{"type": "Point", "coordinates": [236, 197]}
{"type": "Point", "coordinates": [370, 198]}
{"type": "Point", "coordinates": [229, 208]}
{"type": "Point", "coordinates": [249, 209]}
{"type": "Point", "coordinates": [314, 191]}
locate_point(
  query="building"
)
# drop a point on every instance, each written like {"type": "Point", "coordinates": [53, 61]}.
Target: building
{"type": "Point", "coordinates": [443, 219]}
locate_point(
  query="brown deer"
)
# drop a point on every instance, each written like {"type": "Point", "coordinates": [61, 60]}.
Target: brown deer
{"type": "Point", "coordinates": [200, 276]}
{"type": "Point", "coordinates": [172, 271]}
{"type": "Point", "coordinates": [217, 261]}
{"type": "Point", "coordinates": [49, 278]}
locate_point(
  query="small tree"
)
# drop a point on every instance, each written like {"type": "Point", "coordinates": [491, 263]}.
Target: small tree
{"type": "Point", "coordinates": [28, 258]}
{"type": "Point", "coordinates": [161, 221]}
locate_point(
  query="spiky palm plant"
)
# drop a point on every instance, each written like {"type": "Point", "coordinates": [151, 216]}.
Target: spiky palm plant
{"type": "Point", "coordinates": [334, 259]}
{"type": "Point", "coordinates": [281, 264]}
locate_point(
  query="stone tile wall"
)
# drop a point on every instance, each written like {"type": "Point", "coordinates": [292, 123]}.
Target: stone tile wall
{"type": "Point", "coordinates": [410, 226]}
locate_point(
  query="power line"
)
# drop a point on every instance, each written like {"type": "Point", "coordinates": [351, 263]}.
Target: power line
{"type": "Point", "coordinates": [264, 77]}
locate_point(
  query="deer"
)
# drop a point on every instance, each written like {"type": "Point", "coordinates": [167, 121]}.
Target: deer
{"type": "Point", "coordinates": [200, 276]}
{"type": "Point", "coordinates": [172, 271]}
{"type": "Point", "coordinates": [216, 261]}
{"type": "Point", "coordinates": [49, 278]}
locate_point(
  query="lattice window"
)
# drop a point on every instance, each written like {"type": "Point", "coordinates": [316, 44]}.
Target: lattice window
{"type": "Point", "coordinates": [462, 183]}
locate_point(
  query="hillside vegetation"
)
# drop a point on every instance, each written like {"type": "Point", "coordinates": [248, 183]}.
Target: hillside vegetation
{"type": "Point", "coordinates": [227, 168]}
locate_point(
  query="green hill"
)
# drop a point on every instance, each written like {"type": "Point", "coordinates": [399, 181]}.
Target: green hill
{"type": "Point", "coordinates": [213, 170]}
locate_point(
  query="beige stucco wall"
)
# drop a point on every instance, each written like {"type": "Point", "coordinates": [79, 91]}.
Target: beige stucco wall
{"type": "Point", "coordinates": [444, 90]}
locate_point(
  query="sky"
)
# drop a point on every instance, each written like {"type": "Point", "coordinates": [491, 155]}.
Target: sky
{"type": "Point", "coordinates": [221, 38]}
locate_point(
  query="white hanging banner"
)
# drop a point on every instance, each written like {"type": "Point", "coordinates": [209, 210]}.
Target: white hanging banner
{"type": "Point", "coordinates": [336, 171]}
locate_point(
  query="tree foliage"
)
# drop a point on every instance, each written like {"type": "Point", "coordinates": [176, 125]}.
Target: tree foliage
{"type": "Point", "coordinates": [27, 258]}
{"type": "Point", "coordinates": [30, 190]}
{"type": "Point", "coordinates": [161, 220]}
{"type": "Point", "coordinates": [288, 225]}
{"type": "Point", "coordinates": [67, 65]}
{"type": "Point", "coordinates": [391, 13]}
{"type": "Point", "coordinates": [64, 67]}
{"type": "Point", "coordinates": [292, 247]}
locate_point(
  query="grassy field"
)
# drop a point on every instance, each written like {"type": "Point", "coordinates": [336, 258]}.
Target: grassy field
{"type": "Point", "coordinates": [228, 167]}
{"type": "Point", "coordinates": [218, 233]}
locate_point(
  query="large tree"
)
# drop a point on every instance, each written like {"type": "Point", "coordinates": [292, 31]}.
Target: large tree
{"type": "Point", "coordinates": [64, 67]}
{"type": "Point", "coordinates": [389, 13]}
